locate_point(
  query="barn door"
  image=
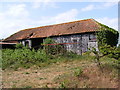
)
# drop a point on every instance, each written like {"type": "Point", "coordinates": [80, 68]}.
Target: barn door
{"type": "Point", "coordinates": [85, 39]}
{"type": "Point", "coordinates": [76, 44]}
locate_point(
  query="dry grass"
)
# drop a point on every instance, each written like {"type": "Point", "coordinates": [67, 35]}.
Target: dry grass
{"type": "Point", "coordinates": [59, 75]}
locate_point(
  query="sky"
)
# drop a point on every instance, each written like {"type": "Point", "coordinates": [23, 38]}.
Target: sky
{"type": "Point", "coordinates": [18, 15]}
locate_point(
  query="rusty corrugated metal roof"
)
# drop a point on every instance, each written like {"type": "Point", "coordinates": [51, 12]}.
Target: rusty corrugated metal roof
{"type": "Point", "coordinates": [81, 26]}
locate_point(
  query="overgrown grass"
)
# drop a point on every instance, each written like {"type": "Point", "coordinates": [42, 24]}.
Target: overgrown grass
{"type": "Point", "coordinates": [15, 58]}
{"type": "Point", "coordinates": [22, 57]}
{"type": "Point", "coordinates": [110, 64]}
{"type": "Point", "coordinates": [75, 72]}
{"type": "Point", "coordinates": [25, 58]}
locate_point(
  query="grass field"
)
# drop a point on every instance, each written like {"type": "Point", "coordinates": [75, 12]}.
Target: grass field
{"type": "Point", "coordinates": [77, 73]}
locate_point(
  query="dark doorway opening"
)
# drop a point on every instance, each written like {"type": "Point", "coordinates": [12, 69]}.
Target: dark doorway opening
{"type": "Point", "coordinates": [27, 43]}
{"type": "Point", "coordinates": [36, 43]}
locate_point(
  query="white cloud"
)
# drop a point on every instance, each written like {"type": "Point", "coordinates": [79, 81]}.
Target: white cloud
{"type": "Point", "coordinates": [106, 5]}
{"type": "Point", "coordinates": [43, 4]}
{"type": "Point", "coordinates": [13, 19]}
{"type": "Point", "coordinates": [66, 16]}
{"type": "Point", "coordinates": [111, 22]}
{"type": "Point", "coordinates": [36, 5]}
{"type": "Point", "coordinates": [109, 4]}
{"type": "Point", "coordinates": [60, 18]}
{"type": "Point", "coordinates": [88, 8]}
{"type": "Point", "coordinates": [101, 6]}
{"type": "Point", "coordinates": [18, 10]}
{"type": "Point", "coordinates": [10, 24]}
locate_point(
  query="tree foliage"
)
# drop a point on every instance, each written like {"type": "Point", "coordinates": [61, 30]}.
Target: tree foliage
{"type": "Point", "coordinates": [18, 46]}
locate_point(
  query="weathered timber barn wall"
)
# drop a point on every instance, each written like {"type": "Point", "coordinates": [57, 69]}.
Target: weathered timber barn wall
{"type": "Point", "coordinates": [78, 43]}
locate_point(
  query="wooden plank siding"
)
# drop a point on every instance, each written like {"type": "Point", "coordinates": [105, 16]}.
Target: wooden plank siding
{"type": "Point", "coordinates": [77, 43]}
{"type": "Point", "coordinates": [81, 40]}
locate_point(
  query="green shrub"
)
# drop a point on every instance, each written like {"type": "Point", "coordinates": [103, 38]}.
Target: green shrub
{"type": "Point", "coordinates": [113, 52]}
{"type": "Point", "coordinates": [19, 45]}
{"type": "Point", "coordinates": [53, 49]}
{"type": "Point", "coordinates": [22, 57]}
{"type": "Point", "coordinates": [25, 57]}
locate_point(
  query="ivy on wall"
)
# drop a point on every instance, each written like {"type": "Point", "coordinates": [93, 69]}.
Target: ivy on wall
{"type": "Point", "coordinates": [107, 36]}
{"type": "Point", "coordinates": [107, 41]}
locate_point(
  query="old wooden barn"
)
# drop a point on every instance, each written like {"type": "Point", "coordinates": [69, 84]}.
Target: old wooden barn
{"type": "Point", "coordinates": [77, 36]}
